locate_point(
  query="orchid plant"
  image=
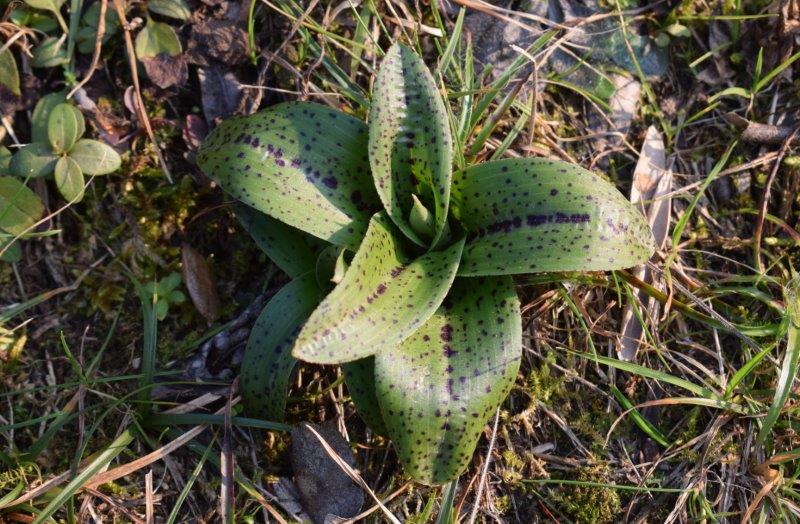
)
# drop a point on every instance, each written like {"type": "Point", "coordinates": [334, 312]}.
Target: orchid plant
{"type": "Point", "coordinates": [424, 317]}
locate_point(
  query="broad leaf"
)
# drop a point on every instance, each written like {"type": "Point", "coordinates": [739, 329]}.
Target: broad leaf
{"type": "Point", "coordinates": [359, 376]}
{"type": "Point", "coordinates": [533, 215]}
{"type": "Point", "coordinates": [157, 38]}
{"type": "Point", "coordinates": [51, 52]}
{"type": "Point", "coordinates": [9, 76]}
{"type": "Point", "coordinates": [95, 158]}
{"type": "Point", "coordinates": [439, 387]}
{"type": "Point", "coordinates": [47, 5]}
{"type": "Point", "coordinates": [41, 115]}
{"type": "Point", "coordinates": [301, 163]}
{"type": "Point", "coordinates": [69, 179]}
{"type": "Point", "coordinates": [87, 34]}
{"type": "Point", "coordinates": [176, 9]}
{"type": "Point", "coordinates": [286, 246]}
{"type": "Point", "coordinates": [384, 297]}
{"type": "Point", "coordinates": [5, 161]}
{"type": "Point", "coordinates": [10, 250]}
{"type": "Point", "coordinates": [268, 362]}
{"type": "Point", "coordinates": [64, 126]}
{"type": "Point", "coordinates": [410, 147]}
{"type": "Point", "coordinates": [34, 160]}
{"type": "Point", "coordinates": [20, 208]}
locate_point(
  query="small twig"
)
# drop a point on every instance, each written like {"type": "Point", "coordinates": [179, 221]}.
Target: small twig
{"type": "Point", "coordinates": [98, 45]}
{"type": "Point", "coordinates": [141, 113]}
{"type": "Point", "coordinates": [762, 212]}
{"type": "Point", "coordinates": [226, 463]}
{"type": "Point", "coordinates": [482, 481]}
{"type": "Point", "coordinates": [148, 497]}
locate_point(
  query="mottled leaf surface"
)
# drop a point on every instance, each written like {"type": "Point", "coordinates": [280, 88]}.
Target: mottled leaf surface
{"type": "Point", "coordinates": [410, 147]}
{"type": "Point", "coordinates": [304, 164]}
{"type": "Point", "coordinates": [268, 363]}
{"type": "Point", "coordinates": [439, 387]}
{"type": "Point", "coordinates": [383, 298]}
{"type": "Point", "coordinates": [534, 215]}
{"type": "Point", "coordinates": [359, 376]}
{"type": "Point", "coordinates": [286, 246]}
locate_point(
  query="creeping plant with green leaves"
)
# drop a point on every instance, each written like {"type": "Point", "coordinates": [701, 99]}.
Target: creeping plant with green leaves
{"type": "Point", "coordinates": [423, 317]}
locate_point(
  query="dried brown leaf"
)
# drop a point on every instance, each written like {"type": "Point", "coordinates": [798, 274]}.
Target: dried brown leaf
{"type": "Point", "coordinates": [200, 283]}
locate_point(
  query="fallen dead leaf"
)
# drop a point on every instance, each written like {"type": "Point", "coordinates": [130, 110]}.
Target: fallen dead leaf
{"type": "Point", "coordinates": [221, 93]}
{"type": "Point", "coordinates": [200, 283]}
{"type": "Point", "coordinates": [166, 71]}
{"type": "Point", "coordinates": [651, 181]}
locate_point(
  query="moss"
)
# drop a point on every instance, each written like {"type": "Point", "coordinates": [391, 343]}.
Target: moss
{"type": "Point", "coordinates": [542, 384]}
{"type": "Point", "coordinates": [589, 504]}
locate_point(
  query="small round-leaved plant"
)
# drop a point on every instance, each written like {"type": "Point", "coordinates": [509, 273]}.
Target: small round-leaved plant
{"type": "Point", "coordinates": [424, 318]}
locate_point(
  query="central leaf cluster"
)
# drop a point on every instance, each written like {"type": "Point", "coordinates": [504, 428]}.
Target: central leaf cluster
{"type": "Point", "coordinates": [425, 319]}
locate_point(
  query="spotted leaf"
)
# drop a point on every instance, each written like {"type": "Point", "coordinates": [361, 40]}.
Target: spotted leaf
{"type": "Point", "coordinates": [359, 376]}
{"type": "Point", "coordinates": [440, 386]}
{"type": "Point", "coordinates": [410, 147]}
{"type": "Point", "coordinates": [304, 164]}
{"type": "Point", "coordinates": [268, 363]}
{"type": "Point", "coordinates": [383, 298]}
{"type": "Point", "coordinates": [534, 215]}
{"type": "Point", "coordinates": [290, 249]}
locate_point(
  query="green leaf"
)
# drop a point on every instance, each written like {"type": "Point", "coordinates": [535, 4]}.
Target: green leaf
{"type": "Point", "coordinates": [69, 179]}
{"type": "Point", "coordinates": [34, 160]}
{"type": "Point", "coordinates": [359, 376]}
{"type": "Point", "coordinates": [5, 161]}
{"type": "Point", "coordinates": [384, 297]}
{"type": "Point", "coordinates": [47, 5]}
{"type": "Point", "coordinates": [788, 369]}
{"type": "Point", "coordinates": [9, 76]}
{"type": "Point", "coordinates": [176, 9]}
{"type": "Point", "coordinates": [532, 215]}
{"type": "Point", "coordinates": [41, 115]}
{"type": "Point", "coordinates": [440, 386]}
{"type": "Point", "coordinates": [95, 158]}
{"type": "Point", "coordinates": [12, 253]}
{"type": "Point", "coordinates": [286, 246]}
{"type": "Point", "coordinates": [50, 53]}
{"type": "Point", "coordinates": [268, 363]}
{"type": "Point", "coordinates": [20, 208]}
{"type": "Point", "coordinates": [157, 38]}
{"type": "Point", "coordinates": [87, 33]}
{"type": "Point", "coordinates": [64, 126]}
{"type": "Point", "coordinates": [304, 164]}
{"type": "Point", "coordinates": [410, 147]}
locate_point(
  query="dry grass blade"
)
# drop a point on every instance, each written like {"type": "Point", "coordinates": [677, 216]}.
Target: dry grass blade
{"type": "Point", "coordinates": [226, 461]}
{"type": "Point", "coordinates": [98, 46]}
{"type": "Point", "coordinates": [148, 497]}
{"type": "Point", "coordinates": [651, 182]}
{"type": "Point", "coordinates": [353, 474]}
{"type": "Point", "coordinates": [482, 482]}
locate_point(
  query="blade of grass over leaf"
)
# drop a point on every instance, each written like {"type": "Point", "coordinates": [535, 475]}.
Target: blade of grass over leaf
{"type": "Point", "coordinates": [268, 363]}
{"type": "Point", "coordinates": [644, 424]}
{"type": "Point", "coordinates": [410, 146]}
{"type": "Point", "coordinates": [438, 388]}
{"type": "Point", "coordinates": [302, 163]}
{"type": "Point", "coordinates": [382, 299]}
{"type": "Point", "coordinates": [194, 419]}
{"type": "Point", "coordinates": [533, 215]}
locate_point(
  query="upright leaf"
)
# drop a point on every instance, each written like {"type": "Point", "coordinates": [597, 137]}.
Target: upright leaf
{"type": "Point", "coordinates": [268, 362]}
{"type": "Point", "coordinates": [359, 376]}
{"type": "Point", "coordinates": [439, 387]}
{"type": "Point", "coordinates": [301, 163]}
{"type": "Point", "coordinates": [9, 76]}
{"type": "Point", "coordinates": [532, 215]}
{"type": "Point", "coordinates": [20, 208]}
{"type": "Point", "coordinates": [64, 127]}
{"type": "Point", "coordinates": [384, 297]}
{"type": "Point", "coordinates": [41, 115]}
{"type": "Point", "coordinates": [286, 246]}
{"type": "Point", "coordinates": [69, 179]}
{"type": "Point", "coordinates": [157, 38]}
{"type": "Point", "coordinates": [410, 147]}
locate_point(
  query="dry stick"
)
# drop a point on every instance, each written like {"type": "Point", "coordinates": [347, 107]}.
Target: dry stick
{"type": "Point", "coordinates": [226, 463]}
{"type": "Point", "coordinates": [148, 497]}
{"type": "Point", "coordinates": [116, 505]}
{"type": "Point", "coordinates": [98, 45]}
{"type": "Point", "coordinates": [482, 481]}
{"type": "Point", "coordinates": [141, 113]}
{"type": "Point", "coordinates": [762, 213]}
